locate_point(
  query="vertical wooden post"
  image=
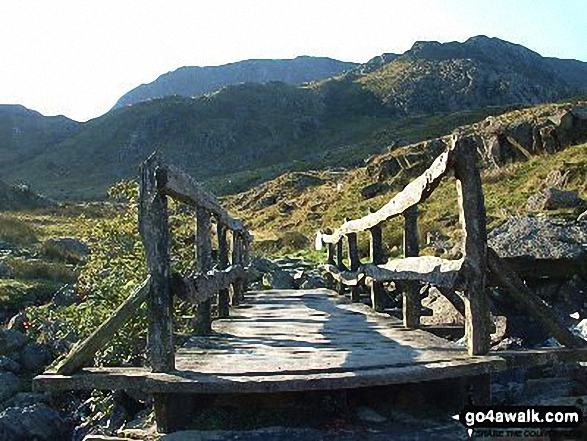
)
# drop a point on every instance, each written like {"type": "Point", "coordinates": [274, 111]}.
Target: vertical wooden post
{"type": "Point", "coordinates": [354, 261]}
{"type": "Point", "coordinates": [340, 265]}
{"type": "Point", "coordinates": [223, 263]}
{"type": "Point", "coordinates": [203, 323]}
{"type": "Point", "coordinates": [473, 221]}
{"type": "Point", "coordinates": [246, 260]}
{"type": "Point", "coordinates": [411, 296]}
{"type": "Point", "coordinates": [377, 256]}
{"type": "Point", "coordinates": [154, 230]}
{"type": "Point", "coordinates": [236, 260]}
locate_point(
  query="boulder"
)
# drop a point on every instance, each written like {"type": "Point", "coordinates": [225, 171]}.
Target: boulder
{"type": "Point", "coordinates": [11, 340]}
{"type": "Point", "coordinates": [263, 265]}
{"type": "Point", "coordinates": [24, 399]}
{"type": "Point", "coordinates": [9, 385]}
{"type": "Point", "coordinates": [279, 279]}
{"type": "Point", "coordinates": [38, 422]}
{"type": "Point", "coordinates": [35, 356]}
{"type": "Point", "coordinates": [6, 271]}
{"type": "Point", "coordinates": [66, 248]}
{"type": "Point", "coordinates": [7, 364]}
{"type": "Point", "coordinates": [554, 199]}
{"type": "Point", "coordinates": [313, 283]}
{"type": "Point", "coordinates": [538, 247]}
{"type": "Point", "coordinates": [65, 296]}
{"type": "Point", "coordinates": [372, 190]}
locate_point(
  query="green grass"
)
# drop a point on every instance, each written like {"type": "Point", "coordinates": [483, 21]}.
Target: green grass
{"type": "Point", "coordinates": [17, 294]}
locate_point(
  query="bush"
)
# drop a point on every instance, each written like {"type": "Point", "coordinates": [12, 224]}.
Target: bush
{"type": "Point", "coordinates": [16, 231]}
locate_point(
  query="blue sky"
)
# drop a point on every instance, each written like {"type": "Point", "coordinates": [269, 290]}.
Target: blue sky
{"type": "Point", "coordinates": [77, 58]}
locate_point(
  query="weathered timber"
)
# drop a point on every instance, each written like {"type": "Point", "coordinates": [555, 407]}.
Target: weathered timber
{"type": "Point", "coordinates": [223, 263]}
{"type": "Point", "coordinates": [346, 278]}
{"type": "Point", "coordinates": [83, 352]}
{"type": "Point", "coordinates": [199, 288]}
{"type": "Point", "coordinates": [355, 263]}
{"type": "Point", "coordinates": [181, 186]}
{"type": "Point", "coordinates": [531, 303]}
{"type": "Point", "coordinates": [237, 286]}
{"type": "Point", "coordinates": [473, 221]}
{"type": "Point", "coordinates": [434, 270]}
{"type": "Point", "coordinates": [203, 322]}
{"type": "Point", "coordinates": [414, 193]}
{"type": "Point", "coordinates": [379, 298]}
{"type": "Point", "coordinates": [454, 299]}
{"type": "Point", "coordinates": [411, 304]}
{"type": "Point", "coordinates": [154, 231]}
{"type": "Point", "coordinates": [340, 257]}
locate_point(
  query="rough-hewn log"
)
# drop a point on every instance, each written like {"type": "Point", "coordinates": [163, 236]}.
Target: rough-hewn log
{"type": "Point", "coordinates": [473, 221]}
{"type": "Point", "coordinates": [354, 262]}
{"type": "Point", "coordinates": [237, 288]}
{"type": "Point", "coordinates": [345, 278]}
{"type": "Point", "coordinates": [203, 322]}
{"type": "Point", "coordinates": [454, 299]}
{"type": "Point", "coordinates": [181, 186]}
{"type": "Point", "coordinates": [201, 287]}
{"type": "Point", "coordinates": [340, 257]}
{"type": "Point", "coordinates": [223, 263]}
{"type": "Point", "coordinates": [434, 270]}
{"type": "Point", "coordinates": [531, 303]}
{"type": "Point", "coordinates": [83, 352]}
{"type": "Point", "coordinates": [154, 231]}
{"type": "Point", "coordinates": [379, 298]}
{"type": "Point", "coordinates": [411, 304]}
{"type": "Point", "coordinates": [414, 193]}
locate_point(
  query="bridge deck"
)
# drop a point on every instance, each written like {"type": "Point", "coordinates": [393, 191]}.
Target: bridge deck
{"type": "Point", "coordinates": [286, 340]}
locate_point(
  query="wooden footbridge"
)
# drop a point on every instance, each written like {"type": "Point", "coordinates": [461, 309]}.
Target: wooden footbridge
{"type": "Point", "coordinates": [298, 340]}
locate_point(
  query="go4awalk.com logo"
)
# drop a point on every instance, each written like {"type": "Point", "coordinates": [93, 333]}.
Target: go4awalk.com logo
{"type": "Point", "coordinates": [518, 421]}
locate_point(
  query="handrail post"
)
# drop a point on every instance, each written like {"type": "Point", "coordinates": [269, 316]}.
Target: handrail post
{"type": "Point", "coordinates": [355, 263]}
{"type": "Point", "coordinates": [236, 260]}
{"type": "Point", "coordinates": [154, 231]}
{"type": "Point", "coordinates": [411, 296]}
{"type": "Point", "coordinates": [377, 256]}
{"type": "Point", "coordinates": [203, 322]}
{"type": "Point", "coordinates": [340, 265]}
{"type": "Point", "coordinates": [223, 263]}
{"type": "Point", "coordinates": [473, 220]}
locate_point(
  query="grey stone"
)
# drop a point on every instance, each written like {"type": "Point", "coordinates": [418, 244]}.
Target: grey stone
{"type": "Point", "coordinates": [7, 364]}
{"type": "Point", "coordinates": [313, 283]}
{"type": "Point", "coordinates": [66, 248]}
{"type": "Point", "coordinates": [5, 270]}
{"type": "Point", "coordinates": [24, 399]}
{"type": "Point", "coordinates": [9, 385]}
{"type": "Point", "coordinates": [11, 340]}
{"type": "Point", "coordinates": [372, 190]}
{"type": "Point", "coordinates": [263, 265]}
{"type": "Point", "coordinates": [65, 296]}
{"type": "Point", "coordinates": [368, 415]}
{"type": "Point", "coordinates": [38, 422]}
{"type": "Point", "coordinates": [35, 356]}
{"type": "Point", "coordinates": [279, 280]}
{"type": "Point", "coordinates": [554, 199]}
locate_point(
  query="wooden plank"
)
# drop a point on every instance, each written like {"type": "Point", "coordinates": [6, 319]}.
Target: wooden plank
{"type": "Point", "coordinates": [154, 231]}
{"type": "Point", "coordinates": [434, 270]}
{"type": "Point", "coordinates": [83, 352]}
{"type": "Point", "coordinates": [203, 321]}
{"type": "Point", "coordinates": [415, 192]}
{"type": "Point", "coordinates": [223, 264]}
{"type": "Point", "coordinates": [379, 297]}
{"type": "Point", "coordinates": [411, 304]}
{"type": "Point", "coordinates": [355, 263]}
{"type": "Point", "coordinates": [181, 186]}
{"type": "Point", "coordinates": [473, 221]}
{"type": "Point", "coordinates": [531, 303]}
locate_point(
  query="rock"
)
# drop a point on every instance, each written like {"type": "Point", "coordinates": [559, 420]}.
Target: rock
{"type": "Point", "coordinates": [313, 283]}
{"type": "Point", "coordinates": [554, 199]}
{"type": "Point", "coordinates": [35, 356]}
{"type": "Point", "coordinates": [279, 279]}
{"type": "Point", "coordinates": [38, 422]}
{"type": "Point", "coordinates": [443, 312]}
{"type": "Point", "coordinates": [540, 247]}
{"type": "Point", "coordinates": [65, 296]}
{"type": "Point", "coordinates": [17, 321]}
{"type": "Point", "coordinates": [368, 415]}
{"type": "Point", "coordinates": [9, 385]}
{"type": "Point", "coordinates": [11, 340]}
{"type": "Point", "coordinates": [25, 399]}
{"type": "Point", "coordinates": [582, 217]}
{"type": "Point", "coordinates": [372, 190]}
{"type": "Point", "coordinates": [7, 364]}
{"type": "Point", "coordinates": [66, 248]}
{"type": "Point", "coordinates": [581, 329]}
{"type": "Point", "coordinates": [5, 270]}
{"type": "Point", "coordinates": [263, 265]}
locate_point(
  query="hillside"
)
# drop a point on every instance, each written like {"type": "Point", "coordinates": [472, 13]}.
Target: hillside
{"type": "Point", "coordinates": [194, 80]}
{"type": "Point", "coordinates": [244, 134]}
{"type": "Point", "coordinates": [515, 167]}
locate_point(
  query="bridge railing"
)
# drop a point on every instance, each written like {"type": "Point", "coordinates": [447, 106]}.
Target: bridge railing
{"type": "Point", "coordinates": [466, 274]}
{"type": "Point", "coordinates": [157, 183]}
